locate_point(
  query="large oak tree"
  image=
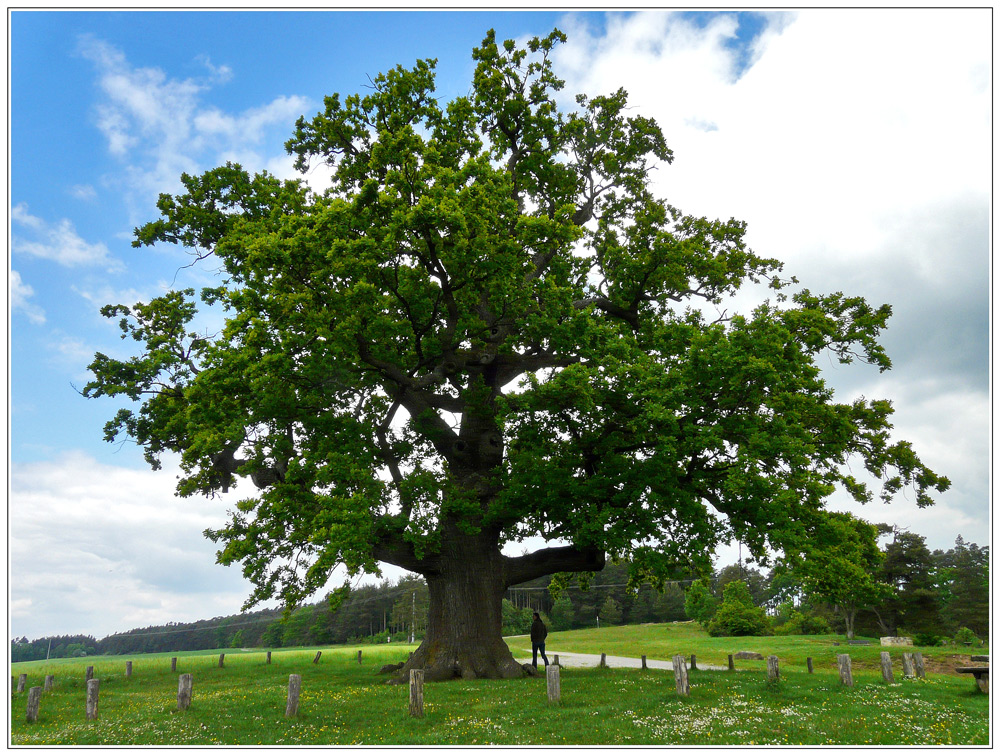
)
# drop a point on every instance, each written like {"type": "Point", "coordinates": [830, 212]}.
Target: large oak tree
{"type": "Point", "coordinates": [489, 329]}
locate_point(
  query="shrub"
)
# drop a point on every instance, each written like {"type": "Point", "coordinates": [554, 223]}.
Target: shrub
{"type": "Point", "coordinates": [926, 639]}
{"type": "Point", "coordinates": [803, 624]}
{"type": "Point", "coordinates": [965, 635]}
{"type": "Point", "coordinates": [737, 615]}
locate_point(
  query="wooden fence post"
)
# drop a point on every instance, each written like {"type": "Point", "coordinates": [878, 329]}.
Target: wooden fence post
{"type": "Point", "coordinates": [294, 688]}
{"type": "Point", "coordinates": [918, 662]}
{"type": "Point", "coordinates": [90, 674]}
{"type": "Point", "coordinates": [316, 658]}
{"type": "Point", "coordinates": [809, 664]}
{"type": "Point", "coordinates": [681, 676]}
{"type": "Point", "coordinates": [93, 695]}
{"type": "Point", "coordinates": [359, 656]}
{"type": "Point", "coordinates": [552, 683]}
{"type": "Point", "coordinates": [268, 657]}
{"type": "Point", "coordinates": [21, 683]}
{"type": "Point", "coordinates": [694, 662]}
{"type": "Point", "coordinates": [844, 666]}
{"type": "Point", "coordinates": [907, 665]}
{"type": "Point", "coordinates": [49, 679]}
{"type": "Point", "coordinates": [128, 669]}
{"type": "Point", "coordinates": [222, 660]}
{"type": "Point", "coordinates": [772, 668]}
{"type": "Point", "coordinates": [604, 660]}
{"type": "Point", "coordinates": [555, 660]}
{"type": "Point", "coordinates": [886, 662]}
{"type": "Point", "coordinates": [416, 692]}
{"type": "Point", "coordinates": [34, 696]}
{"type": "Point", "coordinates": [184, 685]}
{"type": "Point", "coordinates": [732, 663]}
{"type": "Point", "coordinates": [173, 664]}
{"type": "Point", "coordinates": [644, 661]}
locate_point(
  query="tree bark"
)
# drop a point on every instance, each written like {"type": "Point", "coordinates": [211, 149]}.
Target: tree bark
{"type": "Point", "coordinates": [464, 620]}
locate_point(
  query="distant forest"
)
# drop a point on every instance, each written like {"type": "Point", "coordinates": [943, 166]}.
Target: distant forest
{"type": "Point", "coordinates": [937, 593]}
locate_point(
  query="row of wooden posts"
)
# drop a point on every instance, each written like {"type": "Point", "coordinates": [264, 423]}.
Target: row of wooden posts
{"type": "Point", "coordinates": [913, 666]}
{"type": "Point", "coordinates": [184, 688]}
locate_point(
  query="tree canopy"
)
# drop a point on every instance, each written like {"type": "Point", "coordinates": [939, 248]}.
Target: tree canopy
{"type": "Point", "coordinates": [490, 329]}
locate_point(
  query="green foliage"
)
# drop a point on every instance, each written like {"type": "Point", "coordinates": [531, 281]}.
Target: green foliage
{"type": "Point", "coordinates": [699, 603]}
{"type": "Point", "coordinates": [562, 613]}
{"type": "Point", "coordinates": [965, 635]}
{"type": "Point", "coordinates": [501, 260]}
{"type": "Point", "coordinates": [516, 620]}
{"type": "Point", "coordinates": [962, 577]}
{"type": "Point", "coordinates": [799, 623]}
{"type": "Point", "coordinates": [908, 566]}
{"type": "Point", "coordinates": [610, 612]}
{"type": "Point", "coordinates": [737, 614]}
{"type": "Point", "coordinates": [839, 563]}
{"type": "Point", "coordinates": [927, 639]}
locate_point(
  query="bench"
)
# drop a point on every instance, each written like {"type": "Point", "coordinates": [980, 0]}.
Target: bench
{"type": "Point", "coordinates": [982, 675]}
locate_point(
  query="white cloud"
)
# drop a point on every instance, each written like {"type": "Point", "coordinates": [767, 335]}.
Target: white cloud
{"type": "Point", "coordinates": [160, 126]}
{"type": "Point", "coordinates": [855, 145]}
{"type": "Point", "coordinates": [20, 293]}
{"type": "Point", "coordinates": [96, 548]}
{"type": "Point", "coordinates": [83, 192]}
{"type": "Point", "coordinates": [59, 242]}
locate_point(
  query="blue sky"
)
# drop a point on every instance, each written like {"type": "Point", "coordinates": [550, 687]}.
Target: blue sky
{"type": "Point", "coordinates": [856, 144]}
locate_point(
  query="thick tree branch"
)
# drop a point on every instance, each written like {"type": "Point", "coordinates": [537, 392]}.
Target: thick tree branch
{"type": "Point", "coordinates": [556, 559]}
{"type": "Point", "coordinates": [390, 546]}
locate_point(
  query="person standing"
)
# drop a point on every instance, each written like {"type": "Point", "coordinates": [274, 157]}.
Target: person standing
{"type": "Point", "coordinates": [538, 633]}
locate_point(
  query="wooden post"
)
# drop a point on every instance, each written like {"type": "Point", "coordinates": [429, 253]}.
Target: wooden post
{"type": "Point", "coordinates": [604, 660]}
{"type": "Point", "coordinates": [21, 682]}
{"type": "Point", "coordinates": [294, 688]}
{"type": "Point", "coordinates": [90, 674]}
{"type": "Point", "coordinates": [34, 697]}
{"type": "Point", "coordinates": [93, 695]}
{"type": "Point", "coordinates": [222, 660]}
{"type": "Point", "coordinates": [416, 692]}
{"type": "Point", "coordinates": [809, 664]}
{"type": "Point", "coordinates": [844, 666]}
{"type": "Point", "coordinates": [732, 664]}
{"type": "Point", "coordinates": [128, 669]}
{"type": "Point", "coordinates": [555, 659]}
{"type": "Point", "coordinates": [316, 658]}
{"type": "Point", "coordinates": [644, 661]}
{"type": "Point", "coordinates": [681, 676]}
{"type": "Point", "coordinates": [268, 657]}
{"type": "Point", "coordinates": [173, 664]}
{"type": "Point", "coordinates": [49, 679]}
{"type": "Point", "coordinates": [552, 683]}
{"type": "Point", "coordinates": [184, 685]}
{"type": "Point", "coordinates": [359, 656]}
{"type": "Point", "coordinates": [886, 661]}
{"type": "Point", "coordinates": [694, 662]}
{"type": "Point", "coordinates": [907, 665]}
{"type": "Point", "coordinates": [772, 668]}
{"type": "Point", "coordinates": [918, 662]}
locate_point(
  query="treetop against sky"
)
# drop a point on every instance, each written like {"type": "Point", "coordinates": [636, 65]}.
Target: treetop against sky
{"type": "Point", "coordinates": [817, 157]}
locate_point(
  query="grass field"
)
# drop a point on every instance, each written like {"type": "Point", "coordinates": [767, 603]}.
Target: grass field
{"type": "Point", "coordinates": [343, 702]}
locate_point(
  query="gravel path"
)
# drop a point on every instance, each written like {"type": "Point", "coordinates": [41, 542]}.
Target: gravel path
{"type": "Point", "coordinates": [594, 660]}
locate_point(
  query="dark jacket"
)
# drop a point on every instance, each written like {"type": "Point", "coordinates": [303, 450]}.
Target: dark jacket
{"type": "Point", "coordinates": [538, 631]}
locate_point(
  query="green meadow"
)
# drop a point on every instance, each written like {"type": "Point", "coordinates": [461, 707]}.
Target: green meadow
{"type": "Point", "coordinates": [343, 702]}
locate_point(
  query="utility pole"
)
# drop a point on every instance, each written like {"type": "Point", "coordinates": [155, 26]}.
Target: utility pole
{"type": "Point", "coordinates": [413, 616]}
{"type": "Point", "coordinates": [50, 649]}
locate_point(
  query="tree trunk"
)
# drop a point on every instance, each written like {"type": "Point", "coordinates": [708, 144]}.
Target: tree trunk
{"type": "Point", "coordinates": [463, 637]}
{"type": "Point", "coordinates": [849, 614]}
